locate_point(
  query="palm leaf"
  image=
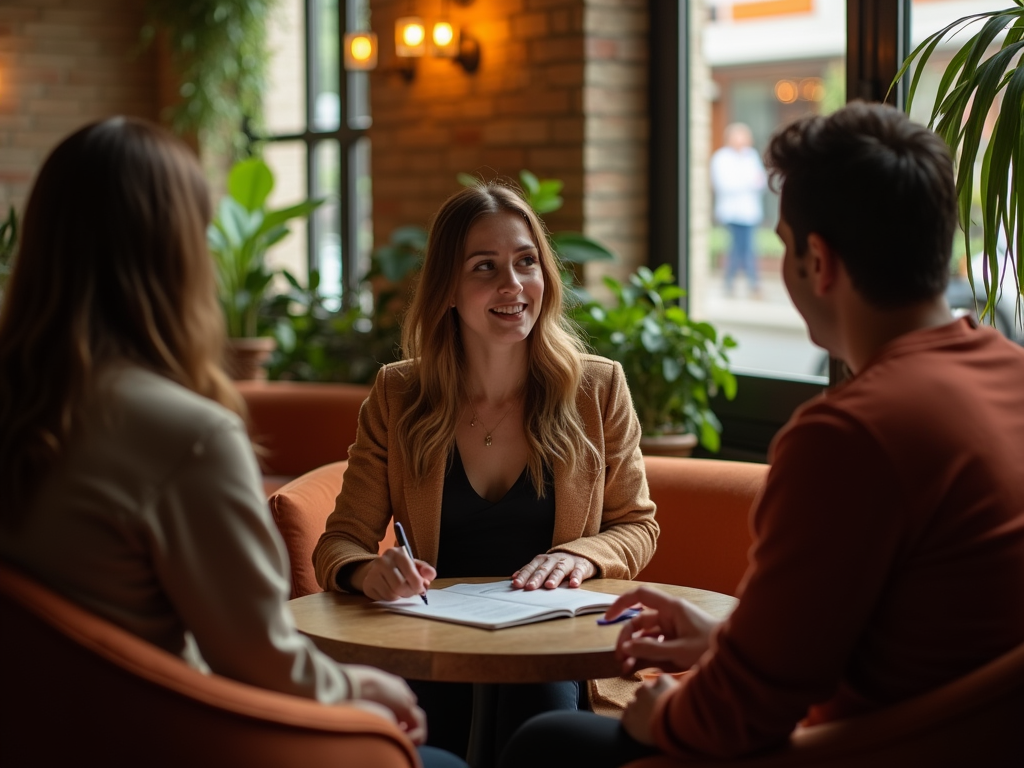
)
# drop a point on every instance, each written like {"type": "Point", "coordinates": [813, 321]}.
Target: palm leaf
{"type": "Point", "coordinates": [971, 84]}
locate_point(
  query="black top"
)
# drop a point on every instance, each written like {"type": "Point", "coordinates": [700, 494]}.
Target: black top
{"type": "Point", "coordinates": [481, 538]}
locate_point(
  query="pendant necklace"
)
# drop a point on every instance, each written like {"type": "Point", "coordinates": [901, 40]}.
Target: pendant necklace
{"type": "Point", "coordinates": [487, 437]}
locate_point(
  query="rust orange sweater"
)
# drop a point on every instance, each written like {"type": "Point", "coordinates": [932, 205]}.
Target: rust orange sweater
{"type": "Point", "coordinates": [889, 548]}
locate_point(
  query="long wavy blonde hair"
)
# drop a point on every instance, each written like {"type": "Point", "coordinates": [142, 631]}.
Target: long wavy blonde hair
{"type": "Point", "coordinates": [112, 265]}
{"type": "Point", "coordinates": [431, 339]}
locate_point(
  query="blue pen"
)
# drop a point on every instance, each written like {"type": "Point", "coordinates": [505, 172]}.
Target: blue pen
{"type": "Point", "coordinates": [404, 544]}
{"type": "Point", "coordinates": [629, 613]}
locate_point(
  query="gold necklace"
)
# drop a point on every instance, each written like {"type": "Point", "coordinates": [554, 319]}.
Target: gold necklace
{"type": "Point", "coordinates": [487, 437]}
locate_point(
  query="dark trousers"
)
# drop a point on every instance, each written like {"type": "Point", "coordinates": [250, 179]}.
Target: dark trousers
{"type": "Point", "coordinates": [476, 720]}
{"type": "Point", "coordinates": [431, 757]}
{"type": "Point", "coordinates": [561, 739]}
{"type": "Point", "coordinates": [742, 257]}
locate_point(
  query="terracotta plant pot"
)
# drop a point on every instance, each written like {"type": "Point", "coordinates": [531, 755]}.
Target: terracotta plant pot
{"type": "Point", "coordinates": [668, 445]}
{"type": "Point", "coordinates": [245, 358]}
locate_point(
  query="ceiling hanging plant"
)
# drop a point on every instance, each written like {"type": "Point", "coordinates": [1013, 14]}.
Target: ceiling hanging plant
{"type": "Point", "coordinates": [218, 49]}
{"type": "Point", "coordinates": [983, 72]}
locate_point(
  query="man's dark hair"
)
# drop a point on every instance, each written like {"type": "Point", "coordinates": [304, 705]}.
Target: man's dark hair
{"type": "Point", "coordinates": [879, 190]}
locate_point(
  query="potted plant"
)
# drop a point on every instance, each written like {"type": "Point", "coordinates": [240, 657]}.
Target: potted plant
{"type": "Point", "coordinates": [239, 237]}
{"type": "Point", "coordinates": [674, 365]}
{"type": "Point", "coordinates": [981, 69]}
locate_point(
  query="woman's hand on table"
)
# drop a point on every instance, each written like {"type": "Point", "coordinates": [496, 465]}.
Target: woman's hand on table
{"type": "Point", "coordinates": [670, 633]}
{"type": "Point", "coordinates": [639, 713]}
{"type": "Point", "coordinates": [393, 575]}
{"type": "Point", "coordinates": [393, 693]}
{"type": "Point", "coordinates": [550, 570]}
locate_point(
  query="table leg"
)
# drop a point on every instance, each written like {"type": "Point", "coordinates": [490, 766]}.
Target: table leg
{"type": "Point", "coordinates": [483, 726]}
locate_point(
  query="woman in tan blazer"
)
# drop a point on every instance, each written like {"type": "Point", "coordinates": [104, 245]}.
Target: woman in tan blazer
{"type": "Point", "coordinates": [499, 445]}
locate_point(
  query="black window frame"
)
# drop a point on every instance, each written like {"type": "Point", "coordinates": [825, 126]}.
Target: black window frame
{"type": "Point", "coordinates": [347, 134]}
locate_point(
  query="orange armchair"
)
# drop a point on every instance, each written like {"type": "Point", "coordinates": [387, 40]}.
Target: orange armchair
{"type": "Point", "coordinates": [78, 690]}
{"type": "Point", "coordinates": [300, 509]}
{"type": "Point", "coordinates": [974, 721]}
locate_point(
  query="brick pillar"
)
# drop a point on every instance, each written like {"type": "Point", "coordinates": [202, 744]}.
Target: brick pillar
{"type": "Point", "coordinates": [616, 131]}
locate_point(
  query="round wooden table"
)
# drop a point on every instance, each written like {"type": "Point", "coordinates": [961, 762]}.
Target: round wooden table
{"type": "Point", "coordinates": [353, 629]}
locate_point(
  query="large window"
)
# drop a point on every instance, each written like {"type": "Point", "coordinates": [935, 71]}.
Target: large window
{"type": "Point", "coordinates": [722, 68]}
{"type": "Point", "coordinates": [316, 116]}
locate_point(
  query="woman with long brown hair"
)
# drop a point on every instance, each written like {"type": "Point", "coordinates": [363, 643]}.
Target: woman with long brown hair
{"type": "Point", "coordinates": [499, 445]}
{"type": "Point", "coordinates": [131, 484]}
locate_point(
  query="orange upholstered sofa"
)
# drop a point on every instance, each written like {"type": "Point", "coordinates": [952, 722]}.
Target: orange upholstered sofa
{"type": "Point", "coordinates": [703, 504]}
{"type": "Point", "coordinates": [299, 426]}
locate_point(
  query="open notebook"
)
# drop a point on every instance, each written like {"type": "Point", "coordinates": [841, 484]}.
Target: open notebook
{"type": "Point", "coordinates": [496, 605]}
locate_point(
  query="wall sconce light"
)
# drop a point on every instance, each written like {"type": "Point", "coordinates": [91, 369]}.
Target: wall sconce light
{"type": "Point", "coordinates": [447, 42]}
{"type": "Point", "coordinates": [360, 51]}
{"type": "Point", "coordinates": [410, 37]}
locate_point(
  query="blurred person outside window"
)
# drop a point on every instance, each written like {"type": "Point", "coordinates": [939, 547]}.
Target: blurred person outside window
{"type": "Point", "coordinates": [738, 179]}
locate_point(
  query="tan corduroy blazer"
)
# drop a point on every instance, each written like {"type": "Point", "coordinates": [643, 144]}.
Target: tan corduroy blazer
{"type": "Point", "coordinates": [606, 517]}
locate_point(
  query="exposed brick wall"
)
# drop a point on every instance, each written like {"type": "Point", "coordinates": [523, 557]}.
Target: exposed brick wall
{"type": "Point", "coordinates": [561, 91]}
{"type": "Point", "coordinates": [616, 131]}
{"type": "Point", "coordinates": [62, 64]}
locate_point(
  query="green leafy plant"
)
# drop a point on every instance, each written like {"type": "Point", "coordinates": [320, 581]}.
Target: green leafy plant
{"type": "Point", "coordinates": [239, 237]}
{"type": "Point", "coordinates": [971, 83]}
{"type": "Point", "coordinates": [218, 49]}
{"type": "Point", "coordinates": [315, 343]}
{"type": "Point", "coordinates": [8, 246]}
{"type": "Point", "coordinates": [673, 364]}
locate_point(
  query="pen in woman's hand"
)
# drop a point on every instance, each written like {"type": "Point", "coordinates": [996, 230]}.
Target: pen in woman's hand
{"type": "Point", "coordinates": [404, 544]}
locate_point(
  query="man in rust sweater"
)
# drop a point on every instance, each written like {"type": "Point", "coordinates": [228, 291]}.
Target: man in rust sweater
{"type": "Point", "coordinates": [888, 553]}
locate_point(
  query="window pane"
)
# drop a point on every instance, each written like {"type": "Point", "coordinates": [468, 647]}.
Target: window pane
{"type": "Point", "coordinates": [287, 160]}
{"type": "Point", "coordinates": [765, 64]}
{"type": "Point", "coordinates": [285, 101]}
{"type": "Point", "coordinates": [363, 205]}
{"type": "Point", "coordinates": [324, 68]}
{"type": "Point", "coordinates": [329, 245]}
{"type": "Point", "coordinates": [327, 229]}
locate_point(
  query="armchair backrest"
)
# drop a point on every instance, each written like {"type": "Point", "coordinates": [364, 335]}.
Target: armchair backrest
{"type": "Point", "coordinates": [704, 513]}
{"type": "Point", "coordinates": [300, 426]}
{"type": "Point", "coordinates": [78, 690]}
{"type": "Point", "coordinates": [973, 721]}
{"type": "Point", "coordinates": [300, 510]}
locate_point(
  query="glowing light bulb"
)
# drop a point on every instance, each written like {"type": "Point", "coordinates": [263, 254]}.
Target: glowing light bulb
{"type": "Point", "coordinates": [360, 51]}
{"type": "Point", "coordinates": [413, 35]}
{"type": "Point", "coordinates": [443, 33]}
{"type": "Point", "coordinates": [410, 37]}
{"type": "Point", "coordinates": [361, 48]}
